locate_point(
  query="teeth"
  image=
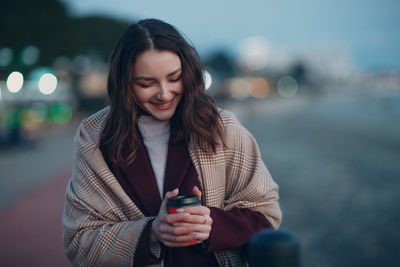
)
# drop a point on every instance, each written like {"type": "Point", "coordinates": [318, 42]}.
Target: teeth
{"type": "Point", "coordinates": [163, 104]}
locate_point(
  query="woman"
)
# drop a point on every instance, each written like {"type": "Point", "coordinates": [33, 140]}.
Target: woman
{"type": "Point", "coordinates": [162, 135]}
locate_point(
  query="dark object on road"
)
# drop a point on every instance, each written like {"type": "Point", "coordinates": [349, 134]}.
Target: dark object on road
{"type": "Point", "coordinates": [274, 248]}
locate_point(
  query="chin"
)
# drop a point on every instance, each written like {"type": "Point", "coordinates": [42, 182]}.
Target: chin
{"type": "Point", "coordinates": [163, 117]}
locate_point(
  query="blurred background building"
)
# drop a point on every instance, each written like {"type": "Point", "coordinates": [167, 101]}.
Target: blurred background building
{"type": "Point", "coordinates": [317, 83]}
{"type": "Point", "coordinates": [53, 54]}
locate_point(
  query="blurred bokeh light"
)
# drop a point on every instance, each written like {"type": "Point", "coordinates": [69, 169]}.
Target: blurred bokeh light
{"type": "Point", "coordinates": [254, 53]}
{"type": "Point", "coordinates": [207, 80]}
{"type": "Point", "coordinates": [287, 86]}
{"type": "Point", "coordinates": [6, 55]}
{"type": "Point", "coordinates": [15, 81]}
{"type": "Point", "coordinates": [47, 83]}
{"type": "Point", "coordinates": [259, 88]}
{"type": "Point", "coordinates": [62, 113]}
{"type": "Point", "coordinates": [30, 55]}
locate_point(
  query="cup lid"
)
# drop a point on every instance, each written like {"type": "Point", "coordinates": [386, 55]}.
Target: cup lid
{"type": "Point", "coordinates": [180, 201]}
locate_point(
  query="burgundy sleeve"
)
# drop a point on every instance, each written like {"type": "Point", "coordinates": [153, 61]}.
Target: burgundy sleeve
{"type": "Point", "coordinates": [143, 255]}
{"type": "Point", "coordinates": [234, 228]}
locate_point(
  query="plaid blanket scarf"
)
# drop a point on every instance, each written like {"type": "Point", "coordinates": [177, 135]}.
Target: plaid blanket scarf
{"type": "Point", "coordinates": [101, 224]}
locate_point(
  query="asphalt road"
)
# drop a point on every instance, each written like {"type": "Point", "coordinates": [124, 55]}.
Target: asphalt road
{"type": "Point", "coordinates": [26, 168]}
{"type": "Point", "coordinates": [337, 161]}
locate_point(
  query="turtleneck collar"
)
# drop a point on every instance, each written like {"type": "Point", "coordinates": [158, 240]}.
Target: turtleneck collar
{"type": "Point", "coordinates": [152, 128]}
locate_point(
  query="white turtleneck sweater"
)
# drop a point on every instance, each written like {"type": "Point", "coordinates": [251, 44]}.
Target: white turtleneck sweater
{"type": "Point", "coordinates": [155, 134]}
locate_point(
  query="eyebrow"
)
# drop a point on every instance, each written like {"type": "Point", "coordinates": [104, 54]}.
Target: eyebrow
{"type": "Point", "coordinates": [151, 79]}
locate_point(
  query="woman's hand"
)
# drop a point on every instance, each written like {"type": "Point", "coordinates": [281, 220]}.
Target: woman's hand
{"type": "Point", "coordinates": [175, 230]}
{"type": "Point", "coordinates": [199, 216]}
{"type": "Point", "coordinates": [164, 229]}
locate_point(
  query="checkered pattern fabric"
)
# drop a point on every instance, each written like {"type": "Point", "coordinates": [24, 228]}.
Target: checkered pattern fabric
{"type": "Point", "coordinates": [101, 224]}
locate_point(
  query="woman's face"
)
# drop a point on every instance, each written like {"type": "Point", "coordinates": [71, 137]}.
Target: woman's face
{"type": "Point", "coordinates": [157, 82]}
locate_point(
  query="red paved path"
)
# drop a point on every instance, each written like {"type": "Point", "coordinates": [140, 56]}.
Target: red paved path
{"type": "Point", "coordinates": [30, 229]}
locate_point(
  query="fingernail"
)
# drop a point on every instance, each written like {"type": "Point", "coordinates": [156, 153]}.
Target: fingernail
{"type": "Point", "coordinates": [180, 210]}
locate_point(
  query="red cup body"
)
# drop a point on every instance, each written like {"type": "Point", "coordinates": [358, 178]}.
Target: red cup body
{"type": "Point", "coordinates": [172, 210]}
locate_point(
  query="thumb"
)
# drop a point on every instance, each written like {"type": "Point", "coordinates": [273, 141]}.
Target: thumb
{"type": "Point", "coordinates": [197, 192]}
{"type": "Point", "coordinates": [169, 195]}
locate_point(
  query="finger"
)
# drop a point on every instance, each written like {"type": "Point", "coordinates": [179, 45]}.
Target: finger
{"type": "Point", "coordinates": [181, 224]}
{"type": "Point", "coordinates": [197, 219]}
{"type": "Point", "coordinates": [168, 195]}
{"type": "Point", "coordinates": [197, 192]}
{"type": "Point", "coordinates": [181, 238]}
{"type": "Point", "coordinates": [172, 193]}
{"type": "Point", "coordinates": [198, 210]}
{"type": "Point", "coordinates": [193, 229]}
{"type": "Point", "coordinates": [174, 218]}
{"type": "Point", "coordinates": [202, 228]}
{"type": "Point", "coordinates": [177, 231]}
{"type": "Point", "coordinates": [202, 236]}
{"type": "Point", "coordinates": [196, 227]}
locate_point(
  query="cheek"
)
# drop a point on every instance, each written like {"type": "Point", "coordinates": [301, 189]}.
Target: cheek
{"type": "Point", "coordinates": [142, 95]}
{"type": "Point", "coordinates": [179, 88]}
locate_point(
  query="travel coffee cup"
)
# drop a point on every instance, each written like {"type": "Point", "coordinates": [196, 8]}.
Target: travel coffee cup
{"type": "Point", "coordinates": [177, 202]}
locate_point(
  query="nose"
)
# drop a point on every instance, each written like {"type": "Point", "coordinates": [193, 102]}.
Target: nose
{"type": "Point", "coordinates": [164, 94]}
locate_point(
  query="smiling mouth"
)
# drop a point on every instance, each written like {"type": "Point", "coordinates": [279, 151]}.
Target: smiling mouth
{"type": "Point", "coordinates": [163, 105]}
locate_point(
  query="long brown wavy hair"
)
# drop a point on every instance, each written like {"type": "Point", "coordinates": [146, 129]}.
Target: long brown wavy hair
{"type": "Point", "coordinates": [196, 117]}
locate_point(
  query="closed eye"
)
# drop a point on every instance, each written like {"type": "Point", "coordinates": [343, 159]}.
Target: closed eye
{"type": "Point", "coordinates": [176, 79]}
{"type": "Point", "coordinates": [145, 85]}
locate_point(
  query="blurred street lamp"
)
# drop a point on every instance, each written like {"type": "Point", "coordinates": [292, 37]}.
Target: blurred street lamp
{"type": "Point", "coordinates": [259, 88]}
{"type": "Point", "coordinates": [287, 86]}
{"type": "Point", "coordinates": [15, 81]}
{"type": "Point", "coordinates": [47, 83]}
{"type": "Point", "coordinates": [30, 55]}
{"type": "Point", "coordinates": [254, 53]}
{"type": "Point", "coordinates": [239, 88]}
{"type": "Point", "coordinates": [207, 79]}
{"type": "Point", "coordinates": [6, 55]}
